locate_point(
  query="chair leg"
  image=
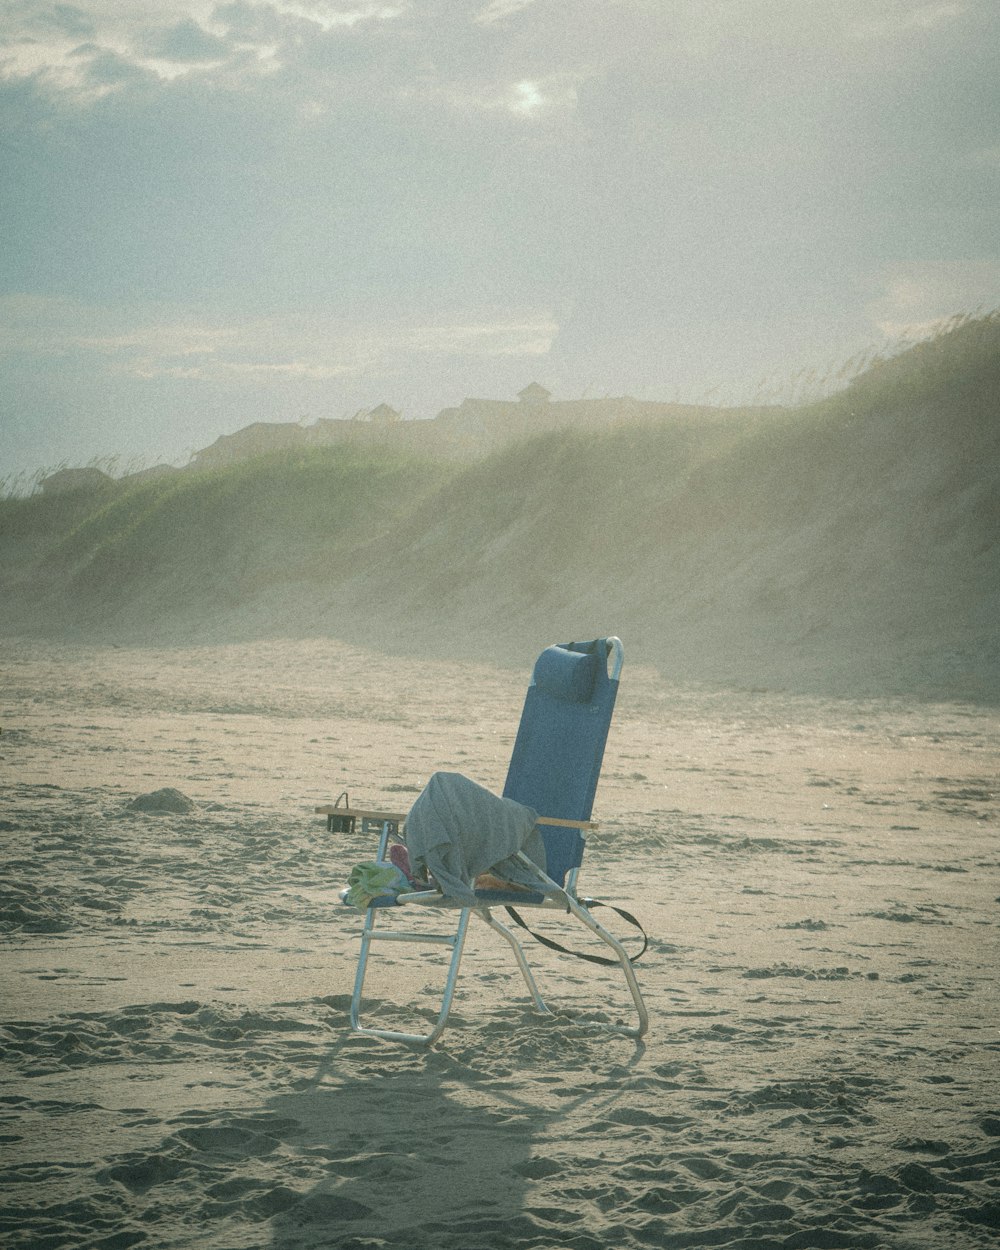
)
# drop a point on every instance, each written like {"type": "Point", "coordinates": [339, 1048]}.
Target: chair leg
{"type": "Point", "coordinates": [368, 935]}
{"type": "Point", "coordinates": [487, 916]}
{"type": "Point", "coordinates": [568, 900]}
{"type": "Point", "coordinates": [598, 930]}
{"type": "Point", "coordinates": [456, 942]}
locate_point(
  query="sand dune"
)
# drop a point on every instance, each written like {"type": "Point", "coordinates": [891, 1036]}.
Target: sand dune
{"type": "Point", "coordinates": [847, 547]}
{"type": "Point", "coordinates": [819, 879]}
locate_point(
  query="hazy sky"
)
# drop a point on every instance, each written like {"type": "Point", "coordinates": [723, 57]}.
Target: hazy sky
{"type": "Point", "coordinates": [281, 209]}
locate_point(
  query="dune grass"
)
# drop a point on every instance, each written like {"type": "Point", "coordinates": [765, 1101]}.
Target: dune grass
{"type": "Point", "coordinates": [285, 507]}
{"type": "Point", "coordinates": [878, 508]}
{"type": "Point", "coordinates": [960, 360]}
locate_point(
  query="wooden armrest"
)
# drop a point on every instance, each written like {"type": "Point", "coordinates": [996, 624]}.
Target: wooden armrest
{"type": "Point", "coordinates": [568, 824]}
{"type": "Point", "coordinates": [328, 809]}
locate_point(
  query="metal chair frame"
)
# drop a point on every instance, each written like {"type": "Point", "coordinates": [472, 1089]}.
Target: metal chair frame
{"type": "Point", "coordinates": [553, 897]}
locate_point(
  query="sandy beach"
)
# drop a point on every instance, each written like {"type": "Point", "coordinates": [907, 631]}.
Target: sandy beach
{"type": "Point", "coordinates": [353, 354]}
{"type": "Point", "coordinates": [819, 879]}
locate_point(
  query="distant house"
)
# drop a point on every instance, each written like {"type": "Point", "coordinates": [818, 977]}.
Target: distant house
{"type": "Point", "coordinates": [65, 480]}
{"type": "Point", "coordinates": [383, 415]}
{"type": "Point", "coordinates": [474, 428]}
{"type": "Point", "coordinates": [253, 440]}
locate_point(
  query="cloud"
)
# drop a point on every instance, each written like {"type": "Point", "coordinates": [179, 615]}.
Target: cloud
{"type": "Point", "coordinates": [530, 337]}
{"type": "Point", "coordinates": [985, 158]}
{"type": "Point", "coordinates": [244, 351]}
{"type": "Point", "coordinates": [905, 16]}
{"type": "Point", "coordinates": [526, 99]}
{"type": "Point", "coordinates": [186, 41]}
{"type": "Point", "coordinates": [104, 69]}
{"type": "Point", "coordinates": [38, 325]}
{"type": "Point", "coordinates": [918, 296]}
{"type": "Point", "coordinates": [328, 16]}
{"type": "Point", "coordinates": [242, 373]}
{"type": "Point", "coordinates": [122, 42]}
{"type": "Point", "coordinates": [421, 200]}
{"type": "Point", "coordinates": [70, 19]}
{"type": "Point", "coordinates": [499, 10]}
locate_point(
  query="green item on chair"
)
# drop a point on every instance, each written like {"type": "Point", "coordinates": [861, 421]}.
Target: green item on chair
{"type": "Point", "coordinates": [375, 879]}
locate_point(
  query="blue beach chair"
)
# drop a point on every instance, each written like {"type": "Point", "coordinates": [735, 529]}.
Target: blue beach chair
{"type": "Point", "coordinates": [554, 769]}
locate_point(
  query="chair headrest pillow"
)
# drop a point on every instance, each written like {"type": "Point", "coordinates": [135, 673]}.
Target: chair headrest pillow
{"type": "Point", "coordinates": [566, 675]}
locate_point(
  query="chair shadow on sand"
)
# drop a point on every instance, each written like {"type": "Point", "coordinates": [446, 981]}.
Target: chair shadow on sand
{"type": "Point", "coordinates": [438, 1148]}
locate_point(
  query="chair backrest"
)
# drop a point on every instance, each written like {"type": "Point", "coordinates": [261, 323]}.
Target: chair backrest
{"type": "Point", "coordinates": [556, 761]}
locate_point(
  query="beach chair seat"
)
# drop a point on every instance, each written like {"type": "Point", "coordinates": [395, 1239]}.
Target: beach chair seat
{"type": "Point", "coordinates": [554, 770]}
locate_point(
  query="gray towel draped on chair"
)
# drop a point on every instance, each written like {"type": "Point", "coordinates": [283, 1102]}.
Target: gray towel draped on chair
{"type": "Point", "coordinates": [457, 829]}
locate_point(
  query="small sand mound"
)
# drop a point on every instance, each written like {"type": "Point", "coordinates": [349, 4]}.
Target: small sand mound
{"type": "Point", "coordinates": [165, 800]}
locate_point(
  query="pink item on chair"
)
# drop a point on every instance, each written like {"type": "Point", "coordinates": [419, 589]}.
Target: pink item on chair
{"type": "Point", "coordinates": [400, 857]}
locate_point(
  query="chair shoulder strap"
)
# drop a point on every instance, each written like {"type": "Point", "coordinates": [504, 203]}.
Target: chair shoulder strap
{"type": "Point", "coordinates": [589, 903]}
